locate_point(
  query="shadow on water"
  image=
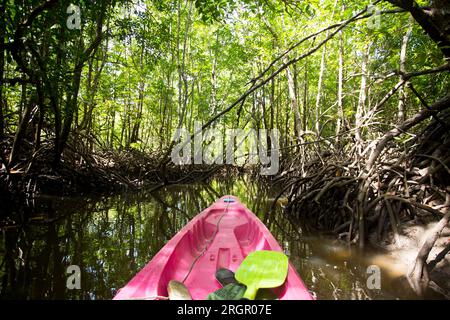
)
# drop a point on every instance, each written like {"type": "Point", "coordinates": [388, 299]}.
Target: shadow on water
{"type": "Point", "coordinates": [111, 238]}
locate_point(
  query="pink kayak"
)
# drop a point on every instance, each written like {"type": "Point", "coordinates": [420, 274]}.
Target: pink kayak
{"type": "Point", "coordinates": [221, 236]}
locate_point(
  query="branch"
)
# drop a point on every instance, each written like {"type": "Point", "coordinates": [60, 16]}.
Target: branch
{"type": "Point", "coordinates": [425, 104]}
{"type": "Point", "coordinates": [440, 105]}
{"type": "Point", "coordinates": [409, 75]}
{"type": "Point", "coordinates": [386, 97]}
{"type": "Point", "coordinates": [422, 206]}
{"type": "Point", "coordinates": [14, 81]}
{"type": "Point", "coordinates": [95, 43]}
{"type": "Point", "coordinates": [15, 46]}
{"type": "Point", "coordinates": [38, 10]}
{"type": "Point", "coordinates": [418, 276]}
{"type": "Point", "coordinates": [358, 16]}
{"type": "Point", "coordinates": [441, 255]}
{"type": "Point", "coordinates": [427, 23]}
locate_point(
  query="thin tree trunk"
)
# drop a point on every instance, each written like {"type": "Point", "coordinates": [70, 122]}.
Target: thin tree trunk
{"type": "Point", "coordinates": [137, 123]}
{"type": "Point", "coordinates": [317, 109]}
{"type": "Point", "coordinates": [293, 101]}
{"type": "Point", "coordinates": [113, 123]}
{"type": "Point", "coordinates": [20, 133]}
{"type": "Point", "coordinates": [182, 77]}
{"type": "Point", "coordinates": [37, 135]}
{"type": "Point", "coordinates": [359, 140]}
{"type": "Point", "coordinates": [72, 100]}
{"type": "Point", "coordinates": [362, 96]}
{"type": "Point", "coordinates": [402, 93]}
{"type": "Point", "coordinates": [294, 104]}
{"type": "Point", "coordinates": [340, 98]}
{"type": "Point", "coordinates": [2, 68]}
{"type": "Point", "coordinates": [305, 97]}
{"type": "Point", "coordinates": [214, 79]}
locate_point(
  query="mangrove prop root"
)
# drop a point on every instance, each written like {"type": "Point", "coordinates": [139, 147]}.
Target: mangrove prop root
{"type": "Point", "coordinates": [369, 190]}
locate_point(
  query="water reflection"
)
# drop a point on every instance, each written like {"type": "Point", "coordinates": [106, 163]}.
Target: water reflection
{"type": "Point", "coordinates": [111, 238]}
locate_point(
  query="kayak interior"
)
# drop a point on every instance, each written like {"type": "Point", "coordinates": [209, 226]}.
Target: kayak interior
{"type": "Point", "coordinates": [219, 237]}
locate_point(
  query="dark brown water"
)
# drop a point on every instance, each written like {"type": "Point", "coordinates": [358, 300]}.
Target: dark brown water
{"type": "Point", "coordinates": [112, 238]}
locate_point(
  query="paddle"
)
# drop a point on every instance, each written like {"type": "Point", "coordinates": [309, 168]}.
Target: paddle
{"type": "Point", "coordinates": [225, 276]}
{"type": "Point", "coordinates": [178, 291]}
{"type": "Point", "coordinates": [233, 290]}
{"type": "Point", "coordinates": [262, 269]}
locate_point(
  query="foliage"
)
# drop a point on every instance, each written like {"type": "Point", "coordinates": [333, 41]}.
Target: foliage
{"type": "Point", "coordinates": [160, 64]}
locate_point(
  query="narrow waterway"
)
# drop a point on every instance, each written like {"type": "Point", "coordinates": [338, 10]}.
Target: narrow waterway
{"type": "Point", "coordinates": [112, 238]}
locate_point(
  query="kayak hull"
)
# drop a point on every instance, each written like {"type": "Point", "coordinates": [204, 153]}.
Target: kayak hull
{"type": "Point", "coordinates": [221, 236]}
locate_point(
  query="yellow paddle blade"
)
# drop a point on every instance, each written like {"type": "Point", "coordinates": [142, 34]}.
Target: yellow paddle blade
{"type": "Point", "coordinates": [262, 269]}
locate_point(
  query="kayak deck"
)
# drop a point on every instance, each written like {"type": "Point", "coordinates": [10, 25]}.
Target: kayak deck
{"type": "Point", "coordinates": [219, 237]}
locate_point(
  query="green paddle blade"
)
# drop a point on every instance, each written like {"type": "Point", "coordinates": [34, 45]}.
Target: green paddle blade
{"type": "Point", "coordinates": [262, 269]}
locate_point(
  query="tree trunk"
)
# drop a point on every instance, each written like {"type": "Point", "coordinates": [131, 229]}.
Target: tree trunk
{"type": "Point", "coordinates": [402, 93]}
{"type": "Point", "coordinates": [138, 120]}
{"type": "Point", "coordinates": [305, 97]}
{"type": "Point", "coordinates": [317, 109]}
{"type": "Point", "coordinates": [294, 104]}
{"type": "Point", "coordinates": [340, 105]}
{"type": "Point", "coordinates": [293, 101]}
{"type": "Point", "coordinates": [182, 77]}
{"type": "Point", "coordinates": [113, 123]}
{"type": "Point", "coordinates": [20, 133]}
{"type": "Point", "coordinates": [71, 104]}
{"type": "Point", "coordinates": [2, 68]}
{"type": "Point", "coordinates": [430, 21]}
{"type": "Point", "coordinates": [40, 121]}
{"type": "Point", "coordinates": [137, 123]}
{"type": "Point", "coordinates": [362, 96]}
{"type": "Point", "coordinates": [214, 78]}
{"type": "Point", "coordinates": [72, 95]}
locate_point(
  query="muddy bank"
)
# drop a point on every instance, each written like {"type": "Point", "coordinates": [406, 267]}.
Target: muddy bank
{"type": "Point", "coordinates": [402, 252]}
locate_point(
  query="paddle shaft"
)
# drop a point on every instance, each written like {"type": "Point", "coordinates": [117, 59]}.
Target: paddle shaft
{"type": "Point", "coordinates": [250, 293]}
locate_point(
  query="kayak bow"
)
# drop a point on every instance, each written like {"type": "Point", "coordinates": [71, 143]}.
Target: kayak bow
{"type": "Point", "coordinates": [221, 236]}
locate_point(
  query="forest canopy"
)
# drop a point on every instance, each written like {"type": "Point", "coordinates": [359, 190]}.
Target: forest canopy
{"type": "Point", "coordinates": [134, 72]}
